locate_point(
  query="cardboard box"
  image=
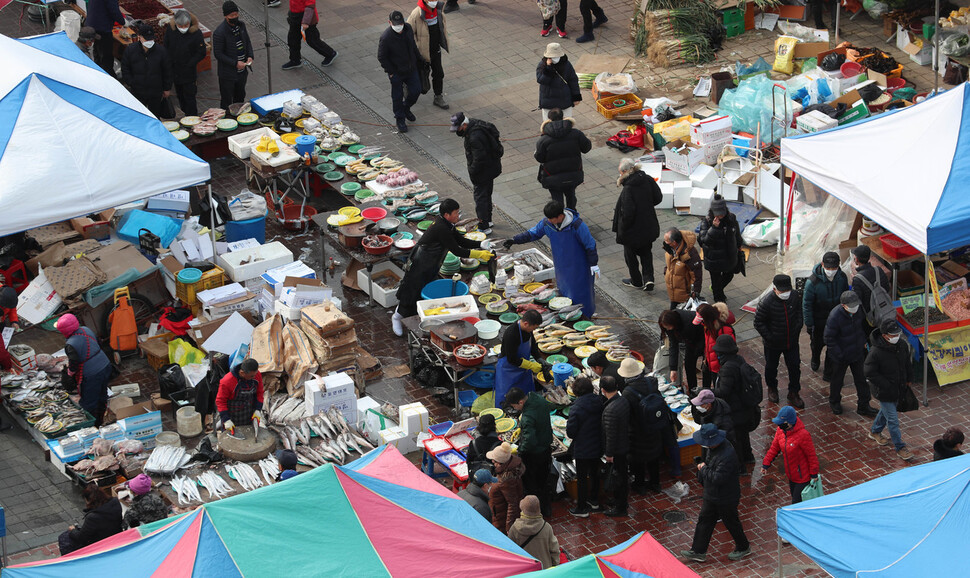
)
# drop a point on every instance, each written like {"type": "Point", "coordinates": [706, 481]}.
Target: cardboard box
{"type": "Point", "coordinates": [683, 157]}
{"type": "Point", "coordinates": [38, 300]}
{"type": "Point", "coordinates": [94, 229]}
{"type": "Point", "coordinates": [246, 303]}
{"type": "Point", "coordinates": [857, 108]}
{"type": "Point", "coordinates": [413, 418]}
{"type": "Point", "coordinates": [810, 49]}
{"type": "Point", "coordinates": [710, 130]}
{"type": "Point", "coordinates": [276, 277]}
{"type": "Point", "coordinates": [141, 421]}
{"type": "Point", "coordinates": [177, 201]}
{"type": "Point", "coordinates": [336, 389]}
{"type": "Point", "coordinates": [712, 150]}
{"type": "Point", "coordinates": [299, 292]}
{"type": "Point", "coordinates": [387, 298]}
{"type": "Point", "coordinates": [815, 121]}
{"type": "Point", "coordinates": [118, 258]}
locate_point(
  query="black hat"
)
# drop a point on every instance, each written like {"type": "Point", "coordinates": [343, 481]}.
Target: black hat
{"type": "Point", "coordinates": [456, 121]}
{"type": "Point", "coordinates": [889, 327]}
{"type": "Point", "coordinates": [862, 253]}
{"type": "Point", "coordinates": [8, 297]}
{"type": "Point", "coordinates": [287, 459]}
{"type": "Point", "coordinates": [146, 32]}
{"type": "Point", "coordinates": [725, 344]}
{"type": "Point", "coordinates": [850, 298]}
{"type": "Point", "coordinates": [709, 436]}
{"type": "Point", "coordinates": [228, 7]}
{"type": "Point", "coordinates": [396, 17]}
{"type": "Point", "coordinates": [782, 282]}
{"type": "Point", "coordinates": [88, 33]}
{"type": "Point", "coordinates": [719, 206]}
{"type": "Point", "coordinates": [831, 259]}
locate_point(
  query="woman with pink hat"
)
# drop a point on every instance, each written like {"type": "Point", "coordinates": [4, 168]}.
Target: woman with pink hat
{"type": "Point", "coordinates": [87, 364]}
{"type": "Point", "coordinates": [146, 506]}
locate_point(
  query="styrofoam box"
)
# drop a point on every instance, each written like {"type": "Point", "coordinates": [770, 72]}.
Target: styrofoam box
{"type": "Point", "coordinates": [714, 129]}
{"type": "Point", "coordinates": [257, 261]}
{"type": "Point", "coordinates": [241, 145]}
{"type": "Point", "coordinates": [469, 300]}
{"type": "Point", "coordinates": [700, 201]}
{"type": "Point", "coordinates": [654, 170]}
{"type": "Point", "coordinates": [383, 296]}
{"type": "Point", "coordinates": [335, 389]}
{"type": "Point", "coordinates": [704, 177]}
{"type": "Point", "coordinates": [713, 149]}
{"type": "Point", "coordinates": [545, 274]}
{"type": "Point", "coordinates": [365, 403]}
{"type": "Point", "coordinates": [669, 176]}
{"type": "Point", "coordinates": [413, 418]}
{"type": "Point", "coordinates": [682, 192]}
{"type": "Point", "coordinates": [667, 190]}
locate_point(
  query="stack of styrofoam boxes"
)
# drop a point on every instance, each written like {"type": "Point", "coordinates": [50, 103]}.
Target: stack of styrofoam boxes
{"type": "Point", "coordinates": [112, 433]}
{"type": "Point", "coordinates": [142, 427]}
{"type": "Point", "coordinates": [703, 182]}
{"type": "Point", "coordinates": [413, 418]}
{"type": "Point", "coordinates": [333, 390]}
{"type": "Point", "coordinates": [679, 187]}
{"type": "Point", "coordinates": [246, 266]}
{"type": "Point", "coordinates": [712, 135]}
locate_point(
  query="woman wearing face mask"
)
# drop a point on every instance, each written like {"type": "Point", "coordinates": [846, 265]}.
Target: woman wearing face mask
{"type": "Point", "coordinates": [794, 442]}
{"type": "Point", "coordinates": [845, 337]}
{"type": "Point", "coordinates": [889, 366]}
{"type": "Point", "coordinates": [779, 322]}
{"type": "Point", "coordinates": [821, 296]}
{"type": "Point", "coordinates": [428, 22]}
{"type": "Point", "coordinates": [186, 49]}
{"type": "Point", "coordinates": [558, 83]}
{"type": "Point", "coordinates": [717, 320]}
{"type": "Point", "coordinates": [147, 71]}
{"type": "Point", "coordinates": [707, 408]}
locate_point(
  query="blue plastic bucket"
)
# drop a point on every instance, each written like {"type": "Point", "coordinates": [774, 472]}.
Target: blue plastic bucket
{"type": "Point", "coordinates": [305, 144]}
{"type": "Point", "coordinates": [444, 288]}
{"type": "Point", "coordinates": [560, 373]}
{"type": "Point", "coordinates": [248, 229]}
{"type": "Point", "coordinates": [189, 275]}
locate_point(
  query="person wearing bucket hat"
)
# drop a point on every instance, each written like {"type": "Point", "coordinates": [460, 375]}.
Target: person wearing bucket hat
{"type": "Point", "coordinates": [147, 72]}
{"type": "Point", "coordinates": [719, 474]}
{"type": "Point", "coordinates": [534, 535]}
{"type": "Point", "coordinates": [845, 337]}
{"type": "Point", "coordinates": [720, 237]}
{"type": "Point", "coordinates": [398, 55]}
{"type": "Point", "coordinates": [87, 364]}
{"type": "Point", "coordinates": [820, 297]}
{"type": "Point", "coordinates": [629, 369]}
{"type": "Point", "coordinates": [483, 155]}
{"type": "Point", "coordinates": [504, 496]}
{"type": "Point", "coordinates": [558, 82]}
{"type": "Point", "coordinates": [794, 442]}
{"type": "Point", "coordinates": [779, 321]}
{"type": "Point", "coordinates": [475, 493]}
{"type": "Point", "coordinates": [708, 408]}
{"type": "Point", "coordinates": [889, 369]}
{"type": "Point", "coordinates": [147, 506]}
{"type": "Point", "coordinates": [233, 50]}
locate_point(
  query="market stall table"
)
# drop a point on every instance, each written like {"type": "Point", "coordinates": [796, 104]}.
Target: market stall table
{"type": "Point", "coordinates": [875, 245]}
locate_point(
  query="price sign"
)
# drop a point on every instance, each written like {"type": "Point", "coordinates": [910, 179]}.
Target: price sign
{"type": "Point", "coordinates": [911, 302]}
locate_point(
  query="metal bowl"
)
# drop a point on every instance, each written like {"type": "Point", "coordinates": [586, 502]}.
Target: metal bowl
{"type": "Point", "coordinates": [388, 225]}
{"type": "Point", "coordinates": [426, 325]}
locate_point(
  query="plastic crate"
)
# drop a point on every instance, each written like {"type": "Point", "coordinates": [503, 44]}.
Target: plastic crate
{"type": "Point", "coordinates": [632, 103]}
{"type": "Point", "coordinates": [733, 30]}
{"type": "Point", "coordinates": [467, 397]}
{"type": "Point", "coordinates": [439, 429]}
{"type": "Point", "coordinates": [437, 445]}
{"type": "Point", "coordinates": [909, 283]}
{"type": "Point", "coordinates": [186, 292]}
{"type": "Point", "coordinates": [733, 16]}
{"type": "Point", "coordinates": [896, 248]}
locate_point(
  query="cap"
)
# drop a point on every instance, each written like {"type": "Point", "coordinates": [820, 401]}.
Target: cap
{"type": "Point", "coordinates": [719, 206]}
{"type": "Point", "coordinates": [456, 121]}
{"type": "Point", "coordinates": [704, 397]}
{"type": "Point", "coordinates": [889, 327]}
{"type": "Point", "coordinates": [396, 17]}
{"type": "Point", "coordinates": [554, 50]}
{"type": "Point", "coordinates": [146, 32]}
{"type": "Point", "coordinates": [709, 435]}
{"type": "Point", "coordinates": [88, 33]}
{"type": "Point", "coordinates": [862, 253]}
{"type": "Point", "coordinates": [831, 259]}
{"type": "Point", "coordinates": [484, 476]}
{"type": "Point", "coordinates": [725, 344]}
{"type": "Point", "coordinates": [782, 282]}
{"type": "Point", "coordinates": [228, 7]}
{"type": "Point", "coordinates": [850, 298]}
{"type": "Point", "coordinates": [287, 459]}
{"type": "Point", "coordinates": [785, 415]}
{"type": "Point", "coordinates": [629, 367]}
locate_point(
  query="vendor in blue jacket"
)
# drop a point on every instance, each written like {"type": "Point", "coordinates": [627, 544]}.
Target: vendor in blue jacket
{"type": "Point", "coordinates": [87, 364]}
{"type": "Point", "coordinates": [573, 252]}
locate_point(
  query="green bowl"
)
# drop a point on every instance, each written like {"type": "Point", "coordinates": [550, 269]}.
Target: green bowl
{"type": "Point", "coordinates": [350, 188]}
{"type": "Point", "coordinates": [554, 359]}
{"type": "Point", "coordinates": [324, 167]}
{"type": "Point", "coordinates": [583, 325]}
{"type": "Point", "coordinates": [333, 176]}
{"type": "Point", "coordinates": [402, 235]}
{"type": "Point", "coordinates": [451, 259]}
{"type": "Point", "coordinates": [336, 154]}
{"type": "Point", "coordinates": [572, 315]}
{"type": "Point", "coordinates": [354, 148]}
{"type": "Point", "coordinates": [424, 225]}
{"type": "Point", "coordinates": [363, 194]}
{"type": "Point", "coordinates": [508, 318]}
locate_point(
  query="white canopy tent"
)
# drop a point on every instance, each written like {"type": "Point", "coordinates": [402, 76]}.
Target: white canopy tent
{"type": "Point", "coordinates": [74, 141]}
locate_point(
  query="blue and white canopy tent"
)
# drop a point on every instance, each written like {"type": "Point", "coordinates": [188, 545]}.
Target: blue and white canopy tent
{"type": "Point", "coordinates": [74, 141]}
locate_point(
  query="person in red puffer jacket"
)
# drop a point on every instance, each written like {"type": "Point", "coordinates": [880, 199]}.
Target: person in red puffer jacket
{"type": "Point", "coordinates": [794, 441]}
{"type": "Point", "coordinates": [302, 20]}
{"type": "Point", "coordinates": [717, 320]}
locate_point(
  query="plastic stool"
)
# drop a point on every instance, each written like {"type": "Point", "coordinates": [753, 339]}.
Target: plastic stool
{"type": "Point", "coordinates": [16, 275]}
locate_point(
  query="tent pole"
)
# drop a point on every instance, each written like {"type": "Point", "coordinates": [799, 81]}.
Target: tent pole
{"type": "Point", "coordinates": [838, 14]}
{"type": "Point", "coordinates": [780, 572]}
{"type": "Point", "coordinates": [212, 225]}
{"type": "Point", "coordinates": [936, 55]}
{"type": "Point", "coordinates": [266, 45]}
{"type": "Point", "coordinates": [781, 217]}
{"type": "Point", "coordinates": [926, 323]}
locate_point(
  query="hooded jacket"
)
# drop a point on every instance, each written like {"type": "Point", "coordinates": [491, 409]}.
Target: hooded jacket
{"type": "Point", "coordinates": [683, 271]}
{"type": "Point", "coordinates": [726, 321]}
{"type": "Point", "coordinates": [845, 335]}
{"type": "Point", "coordinates": [796, 447]}
{"type": "Point", "coordinates": [483, 151]}
{"type": "Point", "coordinates": [397, 52]}
{"type": "Point", "coordinates": [728, 387]}
{"type": "Point", "coordinates": [779, 321]}
{"type": "Point", "coordinates": [558, 84]}
{"type": "Point", "coordinates": [888, 367]}
{"type": "Point", "coordinates": [536, 430]}
{"type": "Point", "coordinates": [634, 217]}
{"type": "Point", "coordinates": [941, 451]}
{"type": "Point", "coordinates": [185, 51]}
{"type": "Point", "coordinates": [721, 244]}
{"type": "Point", "coordinates": [821, 296]}
{"type": "Point", "coordinates": [616, 426]}
{"type": "Point", "coordinates": [504, 497]}
{"type": "Point", "coordinates": [560, 152]}
{"type": "Point", "coordinates": [422, 35]}
{"type": "Point", "coordinates": [585, 426]}
{"type": "Point", "coordinates": [146, 73]}
{"type": "Point", "coordinates": [721, 475]}
{"type": "Point", "coordinates": [645, 445]}
{"type": "Point", "coordinates": [544, 547]}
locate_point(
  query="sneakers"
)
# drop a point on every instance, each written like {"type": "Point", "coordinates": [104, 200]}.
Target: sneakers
{"type": "Point", "coordinates": [329, 60]}
{"type": "Point", "coordinates": [485, 227]}
{"type": "Point", "coordinates": [396, 323]}
{"type": "Point", "coordinates": [694, 556]}
{"type": "Point", "coordinates": [600, 20]}
{"type": "Point", "coordinates": [796, 400]}
{"type": "Point", "coordinates": [738, 554]}
{"type": "Point", "coordinates": [410, 115]}
{"type": "Point", "coordinates": [291, 65]}
{"type": "Point", "coordinates": [579, 512]}
{"type": "Point", "coordinates": [867, 411]}
{"type": "Point", "coordinates": [543, 32]}
{"type": "Point", "coordinates": [648, 286]}
{"type": "Point", "coordinates": [877, 437]}
{"type": "Point", "coordinates": [594, 507]}
{"type": "Point", "coordinates": [836, 408]}
{"type": "Point", "coordinates": [273, 3]}
{"type": "Point", "coordinates": [773, 395]}
{"type": "Point", "coordinates": [562, 33]}
{"type": "Point", "coordinates": [905, 454]}
{"type": "Point", "coordinates": [616, 513]}
{"type": "Point", "coordinates": [439, 101]}
{"type": "Point", "coordinates": [585, 38]}
{"type": "Point", "coordinates": [629, 283]}
{"type": "Point", "coordinates": [402, 126]}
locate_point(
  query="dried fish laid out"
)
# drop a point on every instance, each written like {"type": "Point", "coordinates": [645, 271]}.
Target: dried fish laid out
{"type": "Point", "coordinates": [245, 475]}
{"type": "Point", "coordinates": [557, 395]}
{"type": "Point", "coordinates": [284, 409]}
{"type": "Point", "coordinates": [270, 467]}
{"type": "Point", "coordinates": [49, 425]}
{"type": "Point", "coordinates": [214, 484]}
{"type": "Point", "coordinates": [186, 489]}
{"type": "Point", "coordinates": [167, 459]}
{"type": "Point", "coordinates": [529, 258]}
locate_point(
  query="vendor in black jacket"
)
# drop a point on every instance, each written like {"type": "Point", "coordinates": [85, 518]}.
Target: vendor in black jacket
{"type": "Point", "coordinates": [845, 337]}
{"type": "Point", "coordinates": [186, 49]}
{"type": "Point", "coordinates": [427, 256]}
{"type": "Point", "coordinates": [603, 367]}
{"type": "Point", "coordinates": [483, 153]}
{"type": "Point", "coordinates": [147, 71]}
{"type": "Point", "coordinates": [560, 152]}
{"type": "Point", "coordinates": [677, 325]}
{"type": "Point", "coordinates": [233, 50]}
{"type": "Point", "coordinates": [398, 56]}
{"type": "Point", "coordinates": [728, 387]}
{"type": "Point", "coordinates": [779, 321]}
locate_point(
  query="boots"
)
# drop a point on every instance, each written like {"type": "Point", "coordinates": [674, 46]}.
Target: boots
{"type": "Point", "coordinates": [439, 101]}
{"type": "Point", "coordinates": [396, 324]}
{"type": "Point", "coordinates": [450, 6]}
{"type": "Point", "coordinates": [773, 394]}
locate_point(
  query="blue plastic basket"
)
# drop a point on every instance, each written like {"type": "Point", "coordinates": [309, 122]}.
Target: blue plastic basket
{"type": "Point", "coordinates": [444, 288]}
{"type": "Point", "coordinates": [439, 429]}
{"type": "Point", "coordinates": [467, 398]}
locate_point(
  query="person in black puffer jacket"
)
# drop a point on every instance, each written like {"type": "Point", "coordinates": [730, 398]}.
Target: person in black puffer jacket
{"type": "Point", "coordinates": [398, 55]}
{"type": "Point", "coordinates": [720, 237]}
{"type": "Point", "coordinates": [233, 50]}
{"type": "Point", "coordinates": [102, 519]}
{"type": "Point", "coordinates": [635, 223]}
{"type": "Point", "coordinates": [677, 325]}
{"type": "Point", "coordinates": [560, 152]}
{"type": "Point", "coordinates": [483, 153]}
{"type": "Point", "coordinates": [779, 321]}
{"type": "Point", "coordinates": [950, 445]}
{"type": "Point", "coordinates": [820, 297]}
{"type": "Point", "coordinates": [728, 387]}
{"type": "Point", "coordinates": [646, 445]}
{"type": "Point", "coordinates": [558, 83]}
{"type": "Point", "coordinates": [616, 442]}
{"type": "Point", "coordinates": [707, 408]}
{"type": "Point", "coordinates": [485, 441]}
{"type": "Point", "coordinates": [845, 338]}
{"type": "Point", "coordinates": [186, 49]}
{"type": "Point", "coordinates": [584, 428]}
{"type": "Point", "coordinates": [889, 366]}
{"type": "Point", "coordinates": [147, 71]}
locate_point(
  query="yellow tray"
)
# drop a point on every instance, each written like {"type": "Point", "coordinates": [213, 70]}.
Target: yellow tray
{"type": "Point", "coordinates": [496, 412]}
{"type": "Point", "coordinates": [504, 424]}
{"type": "Point", "coordinates": [349, 211]}
{"type": "Point", "coordinates": [290, 138]}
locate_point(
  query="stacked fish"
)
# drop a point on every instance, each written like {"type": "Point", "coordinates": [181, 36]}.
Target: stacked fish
{"type": "Point", "coordinates": [336, 439]}
{"type": "Point", "coordinates": [214, 484]}
{"type": "Point", "coordinates": [186, 489]}
{"type": "Point", "coordinates": [245, 475]}
{"type": "Point", "coordinates": [167, 459]}
{"type": "Point", "coordinates": [270, 468]}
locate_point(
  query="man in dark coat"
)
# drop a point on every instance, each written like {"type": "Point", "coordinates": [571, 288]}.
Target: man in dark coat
{"type": "Point", "coordinates": [603, 367]}
{"type": "Point", "coordinates": [584, 427]}
{"type": "Point", "coordinates": [186, 49]}
{"type": "Point", "coordinates": [646, 444]}
{"type": "Point", "coordinates": [845, 337]}
{"type": "Point", "coordinates": [102, 16]}
{"type": "Point", "coordinates": [678, 327]}
{"type": "Point", "coordinates": [820, 297]}
{"type": "Point", "coordinates": [779, 322]}
{"type": "Point", "coordinates": [483, 153]}
{"type": "Point", "coordinates": [616, 443]}
{"type": "Point", "coordinates": [720, 237]}
{"type": "Point", "coordinates": [560, 152]}
{"type": "Point", "coordinates": [398, 56]}
{"type": "Point", "coordinates": [719, 473]}
{"type": "Point", "coordinates": [475, 493]}
{"type": "Point", "coordinates": [728, 387]}
{"type": "Point", "coordinates": [889, 367]}
{"type": "Point", "coordinates": [635, 223]}
{"type": "Point", "coordinates": [863, 268]}
{"type": "Point", "coordinates": [147, 71]}
{"type": "Point", "coordinates": [535, 443]}
{"type": "Point", "coordinates": [233, 50]}
{"type": "Point", "coordinates": [707, 408]}
{"type": "Point", "coordinates": [558, 82]}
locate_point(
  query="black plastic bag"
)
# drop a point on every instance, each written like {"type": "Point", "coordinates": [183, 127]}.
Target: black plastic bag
{"type": "Point", "coordinates": [907, 399]}
{"type": "Point", "coordinates": [424, 72]}
{"type": "Point", "coordinates": [205, 453]}
{"type": "Point", "coordinates": [870, 92]}
{"type": "Point", "coordinates": [833, 61]}
{"type": "Point", "coordinates": [173, 385]}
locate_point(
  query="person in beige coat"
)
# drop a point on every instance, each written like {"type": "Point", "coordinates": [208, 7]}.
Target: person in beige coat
{"type": "Point", "coordinates": [683, 269]}
{"type": "Point", "coordinates": [534, 535]}
{"type": "Point", "coordinates": [428, 22]}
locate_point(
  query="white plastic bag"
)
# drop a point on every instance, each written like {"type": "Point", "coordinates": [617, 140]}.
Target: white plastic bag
{"type": "Point", "coordinates": [615, 83]}
{"type": "Point", "coordinates": [761, 234]}
{"type": "Point", "coordinates": [247, 205]}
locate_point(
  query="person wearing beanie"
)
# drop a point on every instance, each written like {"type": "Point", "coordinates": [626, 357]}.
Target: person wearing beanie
{"type": "Point", "coordinates": [683, 269]}
{"type": "Point", "coordinates": [635, 223]}
{"type": "Point", "coordinates": [616, 444]}
{"type": "Point", "coordinates": [534, 535]}
{"type": "Point", "coordinates": [486, 439]}
{"type": "Point", "coordinates": [584, 427]}
{"type": "Point", "coordinates": [287, 460]}
{"type": "Point", "coordinates": [889, 367]}
{"type": "Point", "coordinates": [504, 496]}
{"type": "Point", "coordinates": [86, 39]}
{"type": "Point", "coordinates": [558, 83]}
{"type": "Point", "coordinates": [729, 387]}
{"type": "Point", "coordinates": [560, 151]}
{"type": "Point", "coordinates": [147, 505]}
{"type": "Point", "coordinates": [720, 237]}
{"type": "Point", "coordinates": [147, 72]}
{"type": "Point", "coordinates": [845, 337]}
{"type": "Point", "coordinates": [822, 292]}
{"type": "Point", "coordinates": [87, 364]}
{"type": "Point", "coordinates": [302, 20]}
{"type": "Point", "coordinates": [794, 443]}
{"type": "Point", "coordinates": [866, 272]}
{"type": "Point", "coordinates": [483, 155]}
{"type": "Point", "coordinates": [398, 55]}
{"type": "Point", "coordinates": [950, 445]}
{"type": "Point", "coordinates": [476, 494]}
{"type": "Point", "coordinates": [186, 49]}
{"type": "Point", "coordinates": [708, 408]}
{"type": "Point", "coordinates": [233, 50]}
{"type": "Point", "coordinates": [779, 322]}
{"type": "Point", "coordinates": [427, 20]}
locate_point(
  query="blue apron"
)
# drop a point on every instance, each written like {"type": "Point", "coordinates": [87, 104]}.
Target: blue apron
{"type": "Point", "coordinates": [508, 376]}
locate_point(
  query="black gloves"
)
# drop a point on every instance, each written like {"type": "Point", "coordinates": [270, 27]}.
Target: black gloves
{"type": "Point", "coordinates": [507, 244]}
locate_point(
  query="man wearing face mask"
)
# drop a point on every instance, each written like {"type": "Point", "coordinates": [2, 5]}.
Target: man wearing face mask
{"type": "Point", "coordinates": [888, 367]}
{"type": "Point", "coordinates": [85, 41]}
{"type": "Point", "coordinates": [845, 337]}
{"type": "Point", "coordinates": [233, 50]}
{"type": "Point", "coordinates": [683, 270]}
{"type": "Point", "coordinates": [865, 270]}
{"type": "Point", "coordinates": [428, 23]}
{"type": "Point", "coordinates": [779, 321]}
{"type": "Point", "coordinates": [147, 71]}
{"type": "Point", "coordinates": [707, 408]}
{"type": "Point", "coordinates": [186, 49]}
{"type": "Point", "coordinates": [483, 153]}
{"type": "Point", "coordinates": [398, 55]}
{"type": "Point", "coordinates": [821, 296]}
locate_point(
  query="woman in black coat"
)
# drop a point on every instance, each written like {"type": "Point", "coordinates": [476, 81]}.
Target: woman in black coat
{"type": "Point", "coordinates": [677, 325]}
{"type": "Point", "coordinates": [486, 439]}
{"type": "Point", "coordinates": [102, 519]}
{"type": "Point", "coordinates": [560, 152]}
{"type": "Point", "coordinates": [635, 223]}
{"type": "Point", "coordinates": [558, 83]}
{"type": "Point", "coordinates": [720, 237]}
{"type": "Point", "coordinates": [584, 428]}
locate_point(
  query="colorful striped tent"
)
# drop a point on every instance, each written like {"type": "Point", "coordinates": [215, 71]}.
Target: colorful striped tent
{"type": "Point", "coordinates": [639, 557]}
{"type": "Point", "coordinates": [379, 516]}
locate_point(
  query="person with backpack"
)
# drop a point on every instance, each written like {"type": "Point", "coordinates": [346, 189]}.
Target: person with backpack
{"type": "Point", "coordinates": [889, 368]}
{"type": "Point", "coordinates": [845, 338]}
{"type": "Point", "coordinates": [795, 445]}
{"type": "Point", "coordinates": [872, 286]}
{"type": "Point", "coordinates": [716, 320]}
{"type": "Point", "coordinates": [486, 439]}
{"type": "Point", "coordinates": [779, 321]}
{"type": "Point", "coordinates": [821, 295]}
{"type": "Point", "coordinates": [739, 385]}
{"type": "Point", "coordinates": [584, 427]}
{"type": "Point", "coordinates": [650, 426]}
{"type": "Point", "coordinates": [534, 535]}
{"type": "Point", "coordinates": [559, 152]}
{"type": "Point", "coordinates": [616, 444]}
{"type": "Point", "coordinates": [677, 326]}
{"type": "Point", "coordinates": [483, 153]}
